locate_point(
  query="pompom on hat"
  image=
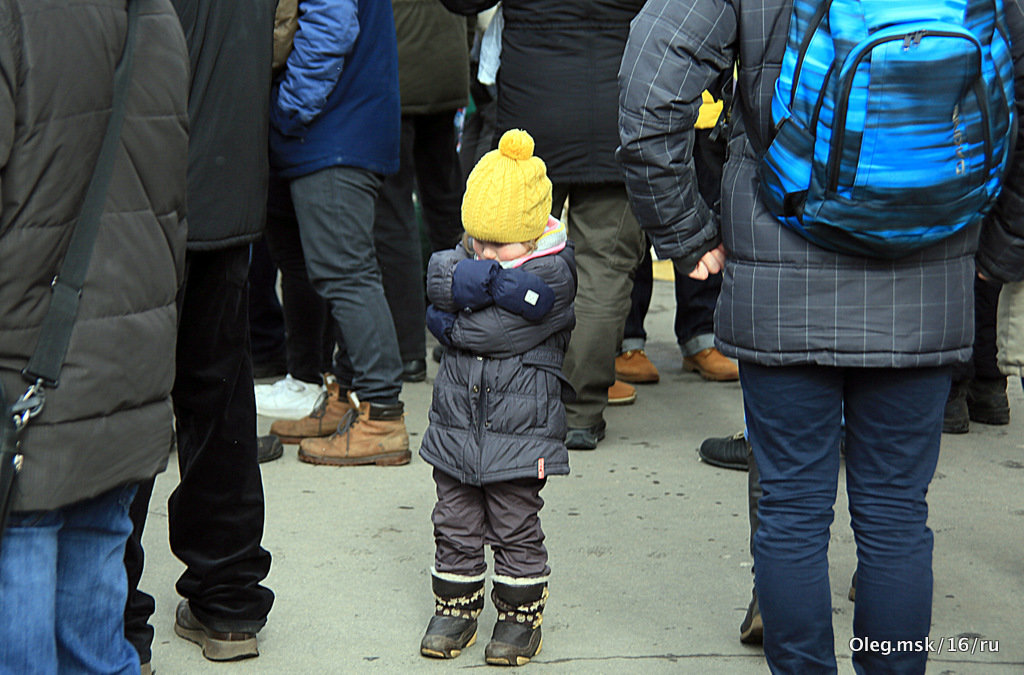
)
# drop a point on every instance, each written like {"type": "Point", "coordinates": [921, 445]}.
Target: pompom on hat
{"type": "Point", "coordinates": [508, 194]}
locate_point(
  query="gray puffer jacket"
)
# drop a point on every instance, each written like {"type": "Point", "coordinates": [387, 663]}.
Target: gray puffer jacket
{"type": "Point", "coordinates": [497, 412]}
{"type": "Point", "coordinates": [785, 301]}
{"type": "Point", "coordinates": [110, 421]}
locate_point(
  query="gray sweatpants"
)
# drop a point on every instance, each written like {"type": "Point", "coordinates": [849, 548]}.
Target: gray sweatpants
{"type": "Point", "coordinates": [503, 515]}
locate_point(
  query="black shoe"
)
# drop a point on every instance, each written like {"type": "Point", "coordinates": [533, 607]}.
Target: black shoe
{"type": "Point", "coordinates": [268, 448]}
{"type": "Point", "coordinates": [987, 402]}
{"type": "Point", "coordinates": [956, 418]}
{"type": "Point", "coordinates": [752, 628]}
{"type": "Point", "coordinates": [414, 370]}
{"type": "Point", "coordinates": [730, 452]}
{"type": "Point", "coordinates": [585, 438]}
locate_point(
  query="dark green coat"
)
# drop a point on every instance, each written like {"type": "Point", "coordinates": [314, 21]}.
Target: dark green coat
{"type": "Point", "coordinates": [110, 421]}
{"type": "Point", "coordinates": [433, 57]}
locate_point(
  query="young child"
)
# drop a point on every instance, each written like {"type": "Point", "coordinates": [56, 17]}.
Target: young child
{"type": "Point", "coordinates": [502, 305]}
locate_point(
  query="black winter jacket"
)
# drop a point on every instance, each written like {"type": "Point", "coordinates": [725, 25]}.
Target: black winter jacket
{"type": "Point", "coordinates": [110, 421]}
{"type": "Point", "coordinates": [230, 49]}
{"type": "Point", "coordinates": [559, 60]}
{"type": "Point", "coordinates": [497, 411]}
{"type": "Point", "coordinates": [785, 301]}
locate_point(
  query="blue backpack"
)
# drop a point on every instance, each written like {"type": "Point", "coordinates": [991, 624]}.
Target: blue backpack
{"type": "Point", "coordinates": [894, 122]}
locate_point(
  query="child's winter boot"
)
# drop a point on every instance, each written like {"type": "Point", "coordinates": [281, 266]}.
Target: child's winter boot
{"type": "Point", "coordinates": [520, 603]}
{"type": "Point", "coordinates": [457, 603]}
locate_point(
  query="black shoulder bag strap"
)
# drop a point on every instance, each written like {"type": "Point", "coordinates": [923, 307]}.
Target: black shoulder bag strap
{"type": "Point", "coordinates": [44, 367]}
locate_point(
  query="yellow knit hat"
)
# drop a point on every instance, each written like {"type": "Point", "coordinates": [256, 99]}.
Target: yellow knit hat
{"type": "Point", "coordinates": [508, 194]}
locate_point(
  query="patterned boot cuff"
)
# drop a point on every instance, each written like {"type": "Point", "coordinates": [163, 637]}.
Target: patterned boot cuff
{"type": "Point", "coordinates": [525, 612]}
{"type": "Point", "coordinates": [463, 598]}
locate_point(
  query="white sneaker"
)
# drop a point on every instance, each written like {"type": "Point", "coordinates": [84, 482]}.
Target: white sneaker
{"type": "Point", "coordinates": [288, 398]}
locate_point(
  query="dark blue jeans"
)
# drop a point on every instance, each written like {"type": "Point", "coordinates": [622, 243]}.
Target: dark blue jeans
{"type": "Point", "coordinates": [695, 309]}
{"type": "Point", "coordinates": [893, 425]}
{"type": "Point", "coordinates": [63, 589]}
{"type": "Point", "coordinates": [335, 209]}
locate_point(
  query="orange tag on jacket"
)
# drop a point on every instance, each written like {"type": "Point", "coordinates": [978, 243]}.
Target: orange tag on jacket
{"type": "Point", "coordinates": [540, 468]}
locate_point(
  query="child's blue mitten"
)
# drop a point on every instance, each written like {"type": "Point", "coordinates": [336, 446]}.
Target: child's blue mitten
{"type": "Point", "coordinates": [440, 324]}
{"type": "Point", "coordinates": [471, 282]}
{"type": "Point", "coordinates": [522, 292]}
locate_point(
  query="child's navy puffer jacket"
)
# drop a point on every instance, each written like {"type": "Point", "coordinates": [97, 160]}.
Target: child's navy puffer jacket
{"type": "Point", "coordinates": [497, 412]}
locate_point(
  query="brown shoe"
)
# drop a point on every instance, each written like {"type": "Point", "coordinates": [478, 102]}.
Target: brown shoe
{"type": "Point", "coordinates": [369, 434]}
{"type": "Point", "coordinates": [712, 365]}
{"type": "Point", "coordinates": [327, 414]}
{"type": "Point", "coordinates": [634, 366]}
{"type": "Point", "coordinates": [621, 393]}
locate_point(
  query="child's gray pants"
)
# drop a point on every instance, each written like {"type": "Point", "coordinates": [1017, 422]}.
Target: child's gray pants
{"type": "Point", "coordinates": [503, 515]}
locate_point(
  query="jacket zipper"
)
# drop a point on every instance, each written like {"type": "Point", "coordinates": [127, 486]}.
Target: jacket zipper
{"type": "Point", "coordinates": [481, 418]}
{"type": "Point", "coordinates": [846, 86]}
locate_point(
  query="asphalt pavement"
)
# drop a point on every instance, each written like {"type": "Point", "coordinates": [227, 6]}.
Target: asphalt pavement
{"type": "Point", "coordinates": [648, 549]}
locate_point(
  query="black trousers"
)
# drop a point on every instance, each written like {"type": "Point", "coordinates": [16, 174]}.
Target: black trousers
{"type": "Point", "coordinates": [429, 141]}
{"type": "Point", "coordinates": [983, 365]}
{"type": "Point", "coordinates": [266, 322]}
{"type": "Point", "coordinates": [215, 514]}
{"type": "Point", "coordinates": [478, 135]}
{"type": "Point", "coordinates": [429, 166]}
{"type": "Point", "coordinates": [309, 328]}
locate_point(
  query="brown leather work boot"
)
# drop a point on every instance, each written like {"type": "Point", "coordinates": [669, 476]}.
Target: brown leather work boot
{"type": "Point", "coordinates": [634, 366]}
{"type": "Point", "coordinates": [369, 434]}
{"type": "Point", "coordinates": [711, 364]}
{"type": "Point", "coordinates": [621, 393]}
{"type": "Point", "coordinates": [327, 414]}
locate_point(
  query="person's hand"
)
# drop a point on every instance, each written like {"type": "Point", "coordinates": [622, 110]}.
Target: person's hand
{"type": "Point", "coordinates": [982, 277]}
{"type": "Point", "coordinates": [709, 263]}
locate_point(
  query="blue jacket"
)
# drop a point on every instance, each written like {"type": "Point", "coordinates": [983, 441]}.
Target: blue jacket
{"type": "Point", "coordinates": [497, 412]}
{"type": "Point", "coordinates": [337, 101]}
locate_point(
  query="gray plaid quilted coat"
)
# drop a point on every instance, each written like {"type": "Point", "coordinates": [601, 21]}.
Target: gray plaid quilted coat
{"type": "Point", "coordinates": [785, 301]}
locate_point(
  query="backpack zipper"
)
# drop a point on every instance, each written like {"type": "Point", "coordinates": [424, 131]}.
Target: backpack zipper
{"type": "Point", "coordinates": [846, 86]}
{"type": "Point", "coordinates": [812, 29]}
{"type": "Point", "coordinates": [813, 124]}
